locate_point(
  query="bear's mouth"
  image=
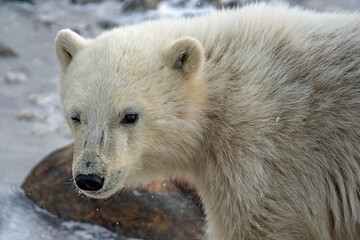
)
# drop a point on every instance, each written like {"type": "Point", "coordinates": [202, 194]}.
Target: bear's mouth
{"type": "Point", "coordinates": [103, 193]}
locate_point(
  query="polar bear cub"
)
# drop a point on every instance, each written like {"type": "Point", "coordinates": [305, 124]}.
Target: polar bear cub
{"type": "Point", "coordinates": [259, 107]}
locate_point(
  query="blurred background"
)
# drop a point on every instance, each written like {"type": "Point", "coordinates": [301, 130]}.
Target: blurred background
{"type": "Point", "coordinates": [31, 122]}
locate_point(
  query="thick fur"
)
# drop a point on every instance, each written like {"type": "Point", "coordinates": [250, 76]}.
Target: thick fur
{"type": "Point", "coordinates": [262, 115]}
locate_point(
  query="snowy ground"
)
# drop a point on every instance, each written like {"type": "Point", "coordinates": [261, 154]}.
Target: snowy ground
{"type": "Point", "coordinates": [31, 124]}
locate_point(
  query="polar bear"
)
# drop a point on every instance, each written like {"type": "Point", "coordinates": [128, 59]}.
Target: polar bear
{"type": "Point", "coordinates": [259, 107]}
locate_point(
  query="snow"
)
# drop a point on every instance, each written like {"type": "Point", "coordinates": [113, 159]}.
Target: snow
{"type": "Point", "coordinates": [21, 219]}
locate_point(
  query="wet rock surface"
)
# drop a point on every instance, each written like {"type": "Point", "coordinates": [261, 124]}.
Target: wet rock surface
{"type": "Point", "coordinates": [139, 5]}
{"type": "Point", "coordinates": [86, 1]}
{"type": "Point", "coordinates": [107, 24]}
{"type": "Point", "coordinates": [164, 210]}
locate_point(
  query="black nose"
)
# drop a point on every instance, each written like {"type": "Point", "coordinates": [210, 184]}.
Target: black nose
{"type": "Point", "coordinates": [91, 182]}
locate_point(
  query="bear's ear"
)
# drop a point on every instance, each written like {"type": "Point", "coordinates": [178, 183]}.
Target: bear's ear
{"type": "Point", "coordinates": [67, 45]}
{"type": "Point", "coordinates": [186, 55]}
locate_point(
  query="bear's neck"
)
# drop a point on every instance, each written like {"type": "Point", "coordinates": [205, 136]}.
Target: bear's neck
{"type": "Point", "coordinates": [227, 185]}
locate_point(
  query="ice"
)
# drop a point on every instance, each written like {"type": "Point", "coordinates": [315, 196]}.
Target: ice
{"type": "Point", "coordinates": [49, 105]}
{"type": "Point", "coordinates": [20, 219]}
{"type": "Point", "coordinates": [171, 9]}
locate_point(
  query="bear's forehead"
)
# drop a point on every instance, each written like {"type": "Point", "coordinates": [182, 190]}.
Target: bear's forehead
{"type": "Point", "coordinates": [89, 79]}
{"type": "Point", "coordinates": [103, 94]}
{"type": "Point", "coordinates": [119, 65]}
{"type": "Point", "coordinates": [121, 56]}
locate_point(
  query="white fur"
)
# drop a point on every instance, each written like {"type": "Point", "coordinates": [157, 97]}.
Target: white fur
{"type": "Point", "coordinates": [263, 117]}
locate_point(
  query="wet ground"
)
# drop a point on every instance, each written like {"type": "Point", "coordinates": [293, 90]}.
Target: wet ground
{"type": "Point", "coordinates": [31, 123]}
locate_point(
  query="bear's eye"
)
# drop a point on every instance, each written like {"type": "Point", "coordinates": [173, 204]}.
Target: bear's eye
{"type": "Point", "coordinates": [75, 119]}
{"type": "Point", "coordinates": [130, 118]}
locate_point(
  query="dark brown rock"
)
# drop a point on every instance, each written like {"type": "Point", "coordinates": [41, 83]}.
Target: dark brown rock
{"type": "Point", "coordinates": [139, 5]}
{"type": "Point", "coordinates": [228, 4]}
{"type": "Point", "coordinates": [29, 1]}
{"type": "Point", "coordinates": [106, 24]}
{"type": "Point", "coordinates": [162, 211]}
{"type": "Point", "coordinates": [6, 51]}
{"type": "Point", "coordinates": [86, 1]}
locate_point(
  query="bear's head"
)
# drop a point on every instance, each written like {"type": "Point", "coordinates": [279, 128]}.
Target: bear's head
{"type": "Point", "coordinates": [135, 103]}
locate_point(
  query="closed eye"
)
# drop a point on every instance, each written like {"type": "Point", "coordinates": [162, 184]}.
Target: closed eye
{"type": "Point", "coordinates": [75, 119]}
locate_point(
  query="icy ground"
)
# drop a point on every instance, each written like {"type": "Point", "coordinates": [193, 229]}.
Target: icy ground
{"type": "Point", "coordinates": [21, 219]}
{"type": "Point", "coordinates": [31, 123]}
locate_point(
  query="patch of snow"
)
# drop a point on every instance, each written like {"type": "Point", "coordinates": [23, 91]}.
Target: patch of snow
{"type": "Point", "coordinates": [20, 219]}
{"type": "Point", "coordinates": [175, 9]}
{"type": "Point", "coordinates": [52, 117]}
{"type": "Point", "coordinates": [15, 77]}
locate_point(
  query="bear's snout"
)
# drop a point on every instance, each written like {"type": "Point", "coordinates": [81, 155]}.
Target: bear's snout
{"type": "Point", "coordinates": [89, 182]}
